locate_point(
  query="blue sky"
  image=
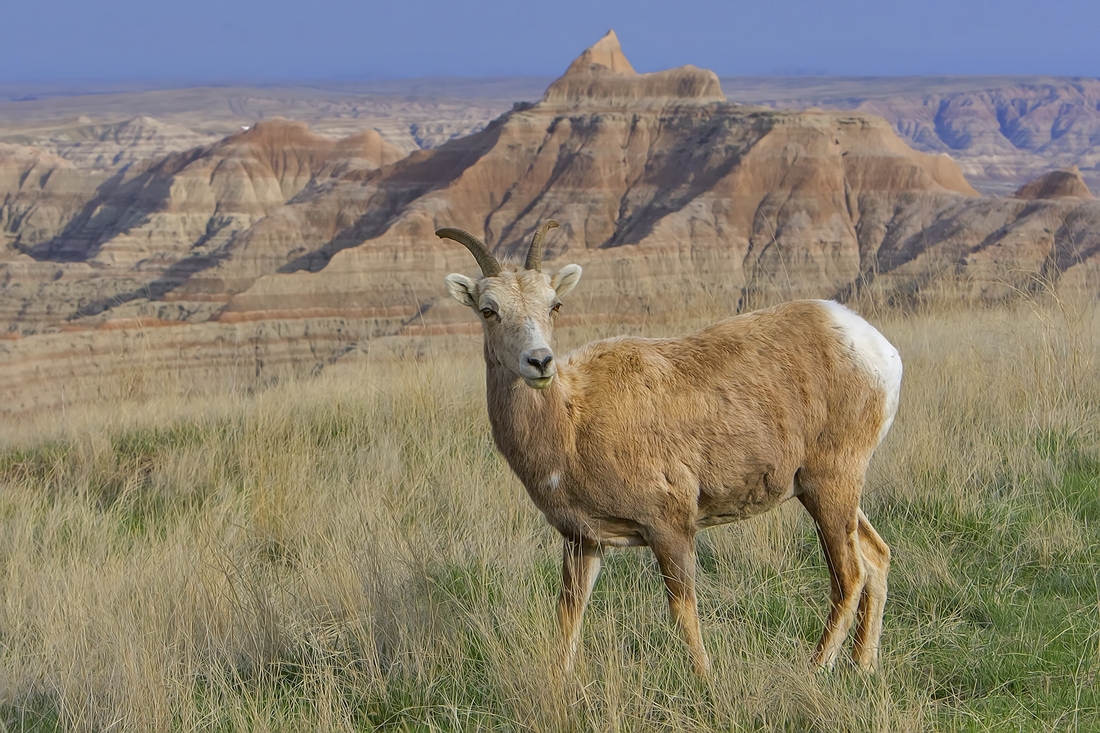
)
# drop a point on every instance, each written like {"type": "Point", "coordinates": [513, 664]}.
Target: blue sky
{"type": "Point", "coordinates": [249, 40]}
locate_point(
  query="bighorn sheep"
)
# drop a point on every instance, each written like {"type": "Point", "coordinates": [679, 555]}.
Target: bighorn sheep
{"type": "Point", "coordinates": [644, 442]}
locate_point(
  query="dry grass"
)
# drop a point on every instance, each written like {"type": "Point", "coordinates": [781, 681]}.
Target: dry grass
{"type": "Point", "coordinates": [350, 553]}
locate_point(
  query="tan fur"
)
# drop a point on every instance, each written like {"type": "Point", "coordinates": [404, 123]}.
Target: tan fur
{"type": "Point", "coordinates": [643, 442]}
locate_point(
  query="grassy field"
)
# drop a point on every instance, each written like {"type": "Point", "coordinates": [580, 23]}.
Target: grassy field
{"type": "Point", "coordinates": [350, 553]}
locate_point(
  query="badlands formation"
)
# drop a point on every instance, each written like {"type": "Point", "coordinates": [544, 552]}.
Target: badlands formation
{"type": "Point", "coordinates": [1003, 131]}
{"type": "Point", "coordinates": [277, 246]}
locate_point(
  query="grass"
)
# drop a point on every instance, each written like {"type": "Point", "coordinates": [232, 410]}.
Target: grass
{"type": "Point", "coordinates": [349, 552]}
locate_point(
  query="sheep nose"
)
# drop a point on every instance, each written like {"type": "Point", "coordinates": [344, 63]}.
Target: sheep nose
{"type": "Point", "coordinates": [540, 359]}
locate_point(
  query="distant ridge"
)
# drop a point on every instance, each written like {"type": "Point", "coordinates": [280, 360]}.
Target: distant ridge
{"type": "Point", "coordinates": [1049, 122]}
{"type": "Point", "coordinates": [1002, 130]}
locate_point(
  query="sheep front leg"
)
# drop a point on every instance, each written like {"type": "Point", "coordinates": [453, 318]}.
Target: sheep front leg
{"type": "Point", "coordinates": [581, 563]}
{"type": "Point", "coordinates": [676, 558]}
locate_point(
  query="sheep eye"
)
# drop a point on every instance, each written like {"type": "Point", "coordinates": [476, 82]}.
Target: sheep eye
{"type": "Point", "coordinates": [555, 308]}
{"type": "Point", "coordinates": [487, 313]}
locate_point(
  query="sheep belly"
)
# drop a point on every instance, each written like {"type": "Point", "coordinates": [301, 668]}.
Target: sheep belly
{"type": "Point", "coordinates": [759, 493]}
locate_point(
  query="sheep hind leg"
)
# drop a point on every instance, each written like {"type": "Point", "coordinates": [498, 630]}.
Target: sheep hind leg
{"type": "Point", "coordinates": [837, 529]}
{"type": "Point", "coordinates": [876, 555]}
{"type": "Point", "coordinates": [580, 566]}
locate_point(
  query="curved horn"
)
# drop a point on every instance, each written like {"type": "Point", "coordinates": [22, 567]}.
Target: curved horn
{"type": "Point", "coordinates": [489, 265]}
{"type": "Point", "coordinates": [534, 255]}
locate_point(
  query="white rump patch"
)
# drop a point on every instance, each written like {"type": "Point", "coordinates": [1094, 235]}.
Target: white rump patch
{"type": "Point", "coordinates": [554, 481]}
{"type": "Point", "coordinates": [873, 353]}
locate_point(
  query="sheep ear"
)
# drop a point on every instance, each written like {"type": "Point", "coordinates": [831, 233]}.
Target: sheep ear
{"type": "Point", "coordinates": [566, 279]}
{"type": "Point", "coordinates": [462, 289]}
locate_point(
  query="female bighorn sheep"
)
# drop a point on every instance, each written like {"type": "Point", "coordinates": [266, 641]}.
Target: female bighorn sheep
{"type": "Point", "coordinates": [644, 442]}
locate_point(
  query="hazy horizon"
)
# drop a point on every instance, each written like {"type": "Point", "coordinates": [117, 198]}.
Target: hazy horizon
{"type": "Point", "coordinates": [132, 42]}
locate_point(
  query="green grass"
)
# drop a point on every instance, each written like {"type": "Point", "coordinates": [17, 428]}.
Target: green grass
{"type": "Point", "coordinates": [1009, 637]}
{"type": "Point", "coordinates": [354, 555]}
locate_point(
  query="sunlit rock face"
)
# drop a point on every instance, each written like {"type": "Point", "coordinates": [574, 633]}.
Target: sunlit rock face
{"type": "Point", "coordinates": [656, 180]}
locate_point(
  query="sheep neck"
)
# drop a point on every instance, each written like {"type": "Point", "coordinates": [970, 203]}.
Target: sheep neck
{"type": "Point", "coordinates": [531, 427]}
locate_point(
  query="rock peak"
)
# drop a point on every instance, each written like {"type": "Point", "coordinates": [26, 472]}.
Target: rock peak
{"type": "Point", "coordinates": [1055, 185]}
{"type": "Point", "coordinates": [602, 75]}
{"type": "Point", "coordinates": [606, 53]}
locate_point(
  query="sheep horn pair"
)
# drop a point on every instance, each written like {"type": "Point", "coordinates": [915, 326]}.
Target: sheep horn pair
{"type": "Point", "coordinates": [490, 266]}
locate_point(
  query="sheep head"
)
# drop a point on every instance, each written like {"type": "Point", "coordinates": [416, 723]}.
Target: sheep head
{"type": "Point", "coordinates": [516, 307]}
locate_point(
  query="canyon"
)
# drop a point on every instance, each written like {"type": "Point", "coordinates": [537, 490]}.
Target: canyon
{"type": "Point", "coordinates": [146, 247]}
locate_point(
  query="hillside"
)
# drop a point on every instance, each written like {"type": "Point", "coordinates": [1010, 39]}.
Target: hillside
{"type": "Point", "coordinates": [80, 240]}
